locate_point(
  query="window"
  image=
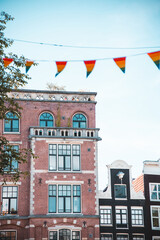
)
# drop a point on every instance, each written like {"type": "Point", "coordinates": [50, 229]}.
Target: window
{"type": "Point", "coordinates": [11, 122]}
{"type": "Point", "coordinates": [138, 237]}
{"type": "Point", "coordinates": [64, 234]}
{"type": "Point", "coordinates": [122, 236]}
{"type": "Point", "coordinates": [155, 217]}
{"type": "Point", "coordinates": [121, 217]}
{"type": "Point", "coordinates": [76, 198]}
{"type": "Point", "coordinates": [67, 157]}
{"type": "Point", "coordinates": [46, 120]}
{"type": "Point", "coordinates": [105, 215]}
{"type": "Point", "coordinates": [13, 164]}
{"type": "Point", "coordinates": [155, 191]}
{"type": "Point", "coordinates": [137, 216]}
{"type": "Point", "coordinates": [79, 121]}
{"type": "Point", "coordinates": [106, 237]}
{"type": "Point", "coordinates": [156, 238]}
{"type": "Point", "coordinates": [68, 197]}
{"type": "Point", "coordinates": [9, 200]}
{"type": "Point", "coordinates": [8, 235]}
{"type": "Point", "coordinates": [64, 157]}
{"type": "Point", "coordinates": [120, 191]}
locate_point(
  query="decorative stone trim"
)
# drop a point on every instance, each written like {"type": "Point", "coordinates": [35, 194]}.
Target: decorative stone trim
{"type": "Point", "coordinates": [32, 177]}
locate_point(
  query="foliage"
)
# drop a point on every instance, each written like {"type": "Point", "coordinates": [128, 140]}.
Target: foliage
{"type": "Point", "coordinates": [11, 78]}
{"type": "Point", "coordinates": [69, 122]}
{"type": "Point", "coordinates": [55, 87]}
{"type": "Point", "coordinates": [58, 120]}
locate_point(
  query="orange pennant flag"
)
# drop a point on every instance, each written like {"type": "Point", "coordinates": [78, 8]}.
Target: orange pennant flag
{"type": "Point", "coordinates": [120, 63]}
{"type": "Point", "coordinates": [28, 65]}
{"type": "Point", "coordinates": [7, 61]}
{"type": "Point", "coordinates": [89, 66]}
{"type": "Point", "coordinates": [60, 67]}
{"type": "Point", "coordinates": [155, 56]}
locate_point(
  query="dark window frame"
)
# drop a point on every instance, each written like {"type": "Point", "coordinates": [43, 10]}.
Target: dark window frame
{"type": "Point", "coordinates": [11, 167]}
{"type": "Point", "coordinates": [121, 219]}
{"type": "Point", "coordinates": [116, 191]}
{"type": "Point", "coordinates": [63, 153]}
{"type": "Point", "coordinates": [137, 220]}
{"type": "Point", "coordinates": [45, 119]}
{"type": "Point", "coordinates": [79, 120]}
{"type": "Point", "coordinates": [64, 195]}
{"type": "Point", "coordinates": [11, 119]}
{"type": "Point", "coordinates": [4, 237]}
{"type": "Point", "coordinates": [9, 198]}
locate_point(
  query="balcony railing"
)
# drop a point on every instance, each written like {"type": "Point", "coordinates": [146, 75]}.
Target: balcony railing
{"type": "Point", "coordinates": [87, 133]}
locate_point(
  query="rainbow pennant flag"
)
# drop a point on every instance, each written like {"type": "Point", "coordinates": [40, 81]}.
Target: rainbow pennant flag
{"type": "Point", "coordinates": [155, 56]}
{"type": "Point", "coordinates": [7, 61]}
{"type": "Point", "coordinates": [60, 67]}
{"type": "Point", "coordinates": [120, 63]}
{"type": "Point", "coordinates": [89, 66]}
{"type": "Point", "coordinates": [28, 65]}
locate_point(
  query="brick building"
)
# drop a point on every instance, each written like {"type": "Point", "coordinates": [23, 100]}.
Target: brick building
{"type": "Point", "coordinates": [151, 171]}
{"type": "Point", "coordinates": [121, 207]}
{"type": "Point", "coordinates": [59, 199]}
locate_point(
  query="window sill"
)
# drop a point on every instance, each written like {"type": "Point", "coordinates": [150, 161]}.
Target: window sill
{"type": "Point", "coordinates": [53, 171]}
{"type": "Point", "coordinates": [137, 225]}
{"type": "Point", "coordinates": [17, 133]}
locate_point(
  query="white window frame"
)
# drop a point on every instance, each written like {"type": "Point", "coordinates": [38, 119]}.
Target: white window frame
{"type": "Point", "coordinates": [155, 238]}
{"type": "Point", "coordinates": [122, 234]}
{"type": "Point", "coordinates": [151, 208]}
{"type": "Point", "coordinates": [137, 208]}
{"type": "Point", "coordinates": [138, 234]}
{"type": "Point", "coordinates": [106, 208]}
{"type": "Point", "coordinates": [105, 234]}
{"type": "Point", "coordinates": [150, 186]}
{"type": "Point", "coordinates": [57, 160]}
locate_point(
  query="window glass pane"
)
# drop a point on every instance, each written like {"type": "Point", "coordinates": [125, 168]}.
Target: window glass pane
{"type": "Point", "coordinates": [75, 235]}
{"type": "Point", "coordinates": [61, 167]}
{"type": "Point", "coordinates": [60, 204]}
{"type": "Point", "coordinates": [76, 163]}
{"type": "Point", "coordinates": [52, 204]}
{"type": "Point", "coordinates": [76, 204]}
{"type": "Point", "coordinates": [13, 207]}
{"type": "Point", "coordinates": [67, 163]}
{"type": "Point", "coordinates": [5, 205]}
{"type": "Point", "coordinates": [120, 191]}
{"type": "Point", "coordinates": [53, 235]}
{"type": "Point", "coordinates": [52, 163]}
{"type": "Point", "coordinates": [68, 204]}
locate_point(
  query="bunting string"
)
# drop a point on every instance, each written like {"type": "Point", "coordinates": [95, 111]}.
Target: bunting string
{"type": "Point", "coordinates": [76, 46]}
{"type": "Point", "coordinates": [90, 64]}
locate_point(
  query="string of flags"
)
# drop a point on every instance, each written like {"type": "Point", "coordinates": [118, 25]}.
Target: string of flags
{"type": "Point", "coordinates": [90, 64]}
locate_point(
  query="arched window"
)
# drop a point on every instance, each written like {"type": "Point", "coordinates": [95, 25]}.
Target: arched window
{"type": "Point", "coordinates": [64, 234]}
{"type": "Point", "coordinates": [46, 120]}
{"type": "Point", "coordinates": [11, 122]}
{"type": "Point", "coordinates": [79, 121]}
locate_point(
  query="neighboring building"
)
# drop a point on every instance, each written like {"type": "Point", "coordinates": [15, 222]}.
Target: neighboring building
{"type": "Point", "coordinates": [151, 170]}
{"type": "Point", "coordinates": [59, 199]}
{"type": "Point", "coordinates": [121, 208]}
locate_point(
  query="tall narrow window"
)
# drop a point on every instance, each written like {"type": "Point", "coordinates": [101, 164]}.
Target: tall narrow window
{"type": "Point", "coordinates": [46, 120]}
{"type": "Point", "coordinates": [121, 218]}
{"type": "Point", "coordinates": [76, 198]}
{"type": "Point", "coordinates": [155, 191]}
{"type": "Point", "coordinates": [76, 157]}
{"type": "Point", "coordinates": [64, 157]}
{"type": "Point", "coordinates": [9, 199]}
{"type": "Point", "coordinates": [11, 122]}
{"type": "Point", "coordinates": [137, 216]}
{"type": "Point", "coordinates": [13, 164]}
{"type": "Point", "coordinates": [79, 121]}
{"type": "Point", "coordinates": [53, 235]}
{"type": "Point", "coordinates": [52, 198]}
{"type": "Point", "coordinates": [156, 217]}
{"type": "Point", "coordinates": [64, 198]}
{"type": "Point", "coordinates": [106, 216]}
{"type": "Point", "coordinates": [52, 157]}
{"type": "Point", "coordinates": [75, 235]}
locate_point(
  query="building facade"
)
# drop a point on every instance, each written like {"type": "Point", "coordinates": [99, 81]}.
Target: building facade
{"type": "Point", "coordinates": [121, 208]}
{"type": "Point", "coordinates": [58, 200]}
{"type": "Point", "coordinates": [151, 171]}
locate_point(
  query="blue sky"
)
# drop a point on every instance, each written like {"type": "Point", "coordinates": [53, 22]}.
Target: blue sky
{"type": "Point", "coordinates": [128, 104]}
